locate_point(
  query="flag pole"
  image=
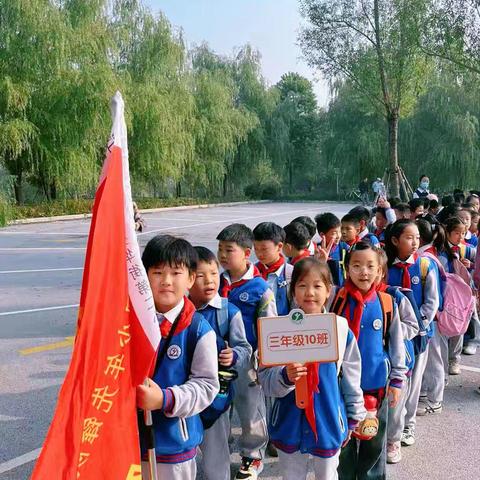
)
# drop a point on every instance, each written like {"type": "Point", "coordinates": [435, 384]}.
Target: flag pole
{"type": "Point", "coordinates": [150, 440]}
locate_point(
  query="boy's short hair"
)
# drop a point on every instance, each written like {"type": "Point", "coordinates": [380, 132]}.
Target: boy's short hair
{"type": "Point", "coordinates": [269, 231]}
{"type": "Point", "coordinates": [296, 234]}
{"type": "Point", "coordinates": [172, 251]}
{"type": "Point", "coordinates": [402, 207]}
{"type": "Point", "coordinates": [349, 218]}
{"type": "Point", "coordinates": [309, 224]}
{"type": "Point", "coordinates": [416, 203]}
{"type": "Point", "coordinates": [205, 255]}
{"type": "Point", "coordinates": [381, 210]}
{"type": "Point", "coordinates": [447, 200]}
{"type": "Point", "coordinates": [237, 233]}
{"type": "Point", "coordinates": [326, 221]}
{"type": "Point", "coordinates": [360, 213]}
{"type": "Point", "coordinates": [433, 203]}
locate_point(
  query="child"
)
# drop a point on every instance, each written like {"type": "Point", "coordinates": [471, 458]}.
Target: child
{"type": "Point", "coordinates": [402, 211]}
{"type": "Point", "coordinates": [381, 223]}
{"type": "Point", "coordinates": [417, 207]}
{"type": "Point", "coordinates": [334, 250]}
{"type": "Point", "coordinates": [408, 270]}
{"type": "Point", "coordinates": [268, 242]}
{"type": "Point", "coordinates": [243, 285]}
{"type": "Point", "coordinates": [474, 200]}
{"type": "Point", "coordinates": [472, 235]}
{"type": "Point", "coordinates": [138, 219]}
{"type": "Point", "coordinates": [179, 388]}
{"type": "Point", "coordinates": [396, 415]}
{"type": "Point", "coordinates": [350, 230]}
{"type": "Point", "coordinates": [380, 339]}
{"type": "Point", "coordinates": [363, 217]}
{"type": "Point", "coordinates": [297, 238]}
{"type": "Point", "coordinates": [455, 248]}
{"type": "Point", "coordinates": [336, 403]}
{"type": "Point", "coordinates": [233, 351]}
{"type": "Point", "coordinates": [312, 229]}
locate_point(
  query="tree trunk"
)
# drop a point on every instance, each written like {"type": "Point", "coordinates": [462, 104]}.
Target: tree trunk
{"type": "Point", "coordinates": [18, 188]}
{"type": "Point", "coordinates": [290, 176]}
{"type": "Point", "coordinates": [224, 186]}
{"type": "Point", "coordinates": [179, 189]}
{"type": "Point", "coordinates": [53, 190]}
{"type": "Point", "coordinates": [393, 153]}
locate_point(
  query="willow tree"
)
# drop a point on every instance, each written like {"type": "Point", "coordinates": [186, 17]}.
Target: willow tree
{"type": "Point", "coordinates": [375, 45]}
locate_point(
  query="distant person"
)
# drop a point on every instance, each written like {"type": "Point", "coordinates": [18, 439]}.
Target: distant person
{"type": "Point", "coordinates": [423, 188]}
{"type": "Point", "coordinates": [138, 219]}
{"type": "Point", "coordinates": [364, 187]}
{"type": "Point", "coordinates": [378, 189]}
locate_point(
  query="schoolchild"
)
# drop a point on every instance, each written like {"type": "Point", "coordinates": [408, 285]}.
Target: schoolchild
{"type": "Point", "coordinates": [417, 207]}
{"type": "Point", "coordinates": [268, 242]}
{"type": "Point", "coordinates": [471, 236]}
{"type": "Point", "coordinates": [408, 270]}
{"type": "Point", "coordinates": [335, 404]}
{"type": "Point", "coordinates": [374, 320]}
{"type": "Point", "coordinates": [474, 200]}
{"type": "Point", "coordinates": [334, 250]}
{"type": "Point", "coordinates": [350, 230]}
{"type": "Point", "coordinates": [362, 214]}
{"type": "Point", "coordinates": [185, 380]}
{"type": "Point", "coordinates": [312, 230]}
{"type": "Point", "coordinates": [402, 211]}
{"type": "Point", "coordinates": [297, 239]}
{"type": "Point", "coordinates": [243, 285]}
{"type": "Point", "coordinates": [234, 353]}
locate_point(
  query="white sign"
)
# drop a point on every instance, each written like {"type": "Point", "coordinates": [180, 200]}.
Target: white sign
{"type": "Point", "coordinates": [298, 338]}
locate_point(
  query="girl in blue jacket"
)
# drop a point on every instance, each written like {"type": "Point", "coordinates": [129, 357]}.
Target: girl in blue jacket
{"type": "Point", "coordinates": [336, 404]}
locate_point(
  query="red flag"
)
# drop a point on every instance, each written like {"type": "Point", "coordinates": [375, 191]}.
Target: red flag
{"type": "Point", "coordinates": [94, 433]}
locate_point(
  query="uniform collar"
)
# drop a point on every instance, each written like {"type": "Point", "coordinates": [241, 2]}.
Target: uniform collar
{"type": "Point", "coordinates": [172, 314]}
{"type": "Point", "coordinates": [410, 260]}
{"type": "Point", "coordinates": [215, 302]}
{"type": "Point", "coordinates": [248, 275]}
{"type": "Point", "coordinates": [425, 248]}
{"type": "Point", "coordinates": [363, 233]}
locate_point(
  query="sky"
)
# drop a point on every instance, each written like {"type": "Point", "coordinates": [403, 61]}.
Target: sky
{"type": "Point", "coordinates": [271, 26]}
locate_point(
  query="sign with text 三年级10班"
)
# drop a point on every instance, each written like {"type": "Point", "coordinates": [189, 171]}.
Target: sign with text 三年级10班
{"type": "Point", "coordinates": [298, 338]}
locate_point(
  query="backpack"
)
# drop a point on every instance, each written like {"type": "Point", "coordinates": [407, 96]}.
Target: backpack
{"type": "Point", "coordinates": [458, 302]}
{"type": "Point", "coordinates": [224, 398]}
{"type": "Point", "coordinates": [386, 302]}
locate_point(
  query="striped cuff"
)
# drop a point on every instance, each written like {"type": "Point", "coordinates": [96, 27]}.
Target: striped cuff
{"type": "Point", "coordinates": [168, 400]}
{"type": "Point", "coordinates": [396, 383]}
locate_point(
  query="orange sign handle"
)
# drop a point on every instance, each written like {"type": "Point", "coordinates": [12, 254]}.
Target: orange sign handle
{"type": "Point", "coordinates": [301, 392]}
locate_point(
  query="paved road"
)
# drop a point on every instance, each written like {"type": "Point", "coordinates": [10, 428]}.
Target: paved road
{"type": "Point", "coordinates": [41, 269]}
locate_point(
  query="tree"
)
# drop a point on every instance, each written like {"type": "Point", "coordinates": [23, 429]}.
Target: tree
{"type": "Point", "coordinates": [375, 45]}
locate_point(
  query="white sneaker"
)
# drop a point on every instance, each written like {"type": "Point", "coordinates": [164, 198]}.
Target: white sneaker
{"type": "Point", "coordinates": [428, 408]}
{"type": "Point", "coordinates": [454, 368]}
{"type": "Point", "coordinates": [394, 452]}
{"type": "Point", "coordinates": [250, 469]}
{"type": "Point", "coordinates": [408, 437]}
{"type": "Point", "coordinates": [470, 349]}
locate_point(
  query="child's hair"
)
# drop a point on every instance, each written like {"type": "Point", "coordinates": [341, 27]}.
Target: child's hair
{"type": "Point", "coordinates": [450, 225]}
{"type": "Point", "coordinates": [383, 260]}
{"type": "Point", "coordinates": [360, 213]}
{"type": "Point", "coordinates": [447, 212]}
{"type": "Point", "coordinates": [459, 196]}
{"type": "Point", "coordinates": [471, 197]}
{"type": "Point", "coordinates": [433, 203]}
{"type": "Point", "coordinates": [358, 247]}
{"type": "Point", "coordinates": [349, 218]}
{"type": "Point", "coordinates": [309, 223]}
{"type": "Point", "coordinates": [382, 211]}
{"type": "Point", "coordinates": [237, 233]}
{"type": "Point", "coordinates": [296, 234]}
{"type": "Point", "coordinates": [206, 255]}
{"type": "Point", "coordinates": [447, 200]}
{"type": "Point", "coordinates": [402, 207]}
{"type": "Point", "coordinates": [395, 230]}
{"type": "Point", "coordinates": [304, 267]}
{"type": "Point", "coordinates": [431, 231]}
{"type": "Point", "coordinates": [415, 203]}
{"type": "Point", "coordinates": [269, 231]}
{"type": "Point", "coordinates": [326, 221]}
{"type": "Point", "coordinates": [172, 251]}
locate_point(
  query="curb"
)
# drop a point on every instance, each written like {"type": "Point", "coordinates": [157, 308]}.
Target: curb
{"type": "Point", "coordinates": [84, 216]}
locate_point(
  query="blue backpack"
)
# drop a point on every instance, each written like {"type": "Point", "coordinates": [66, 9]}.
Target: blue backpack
{"type": "Point", "coordinates": [224, 398]}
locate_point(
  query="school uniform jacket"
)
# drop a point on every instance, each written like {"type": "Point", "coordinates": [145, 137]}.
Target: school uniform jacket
{"type": "Point", "coordinates": [338, 403]}
{"type": "Point", "coordinates": [471, 239]}
{"type": "Point", "coordinates": [378, 365]}
{"type": "Point", "coordinates": [466, 251]}
{"type": "Point", "coordinates": [237, 340]}
{"type": "Point", "coordinates": [279, 283]}
{"type": "Point", "coordinates": [254, 298]}
{"type": "Point", "coordinates": [188, 387]}
{"type": "Point", "coordinates": [426, 293]}
{"type": "Point", "coordinates": [369, 237]}
{"type": "Point", "coordinates": [336, 263]}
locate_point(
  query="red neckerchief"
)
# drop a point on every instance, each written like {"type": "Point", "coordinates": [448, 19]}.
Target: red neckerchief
{"type": "Point", "coordinates": [266, 271]}
{"type": "Point", "coordinates": [455, 249]}
{"type": "Point", "coordinates": [360, 300]}
{"type": "Point", "coordinates": [296, 259]}
{"type": "Point", "coordinates": [353, 242]}
{"type": "Point", "coordinates": [228, 287]}
{"type": "Point", "coordinates": [185, 319]}
{"type": "Point", "coordinates": [312, 383]}
{"type": "Point", "coordinates": [432, 250]}
{"type": "Point", "coordinates": [378, 232]}
{"type": "Point", "coordinates": [382, 287]}
{"type": "Point", "coordinates": [406, 280]}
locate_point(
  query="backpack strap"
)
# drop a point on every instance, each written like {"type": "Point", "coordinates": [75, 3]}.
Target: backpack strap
{"type": "Point", "coordinates": [339, 302]}
{"type": "Point", "coordinates": [424, 266]}
{"type": "Point", "coordinates": [222, 318]}
{"type": "Point", "coordinates": [386, 302]}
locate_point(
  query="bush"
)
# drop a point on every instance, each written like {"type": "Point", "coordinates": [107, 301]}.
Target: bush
{"type": "Point", "coordinates": [5, 210]}
{"type": "Point", "coordinates": [254, 190]}
{"type": "Point", "coordinates": [270, 191]}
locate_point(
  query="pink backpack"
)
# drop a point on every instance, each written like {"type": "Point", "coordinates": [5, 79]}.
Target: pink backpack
{"type": "Point", "coordinates": [458, 302]}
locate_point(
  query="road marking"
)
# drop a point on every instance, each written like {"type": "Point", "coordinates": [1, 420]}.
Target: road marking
{"type": "Point", "coordinates": [231, 220]}
{"type": "Point", "coordinates": [470, 369]}
{"type": "Point", "coordinates": [44, 233]}
{"type": "Point", "coordinates": [20, 249]}
{"type": "Point", "coordinates": [68, 342]}
{"type": "Point", "coordinates": [19, 461]}
{"type": "Point", "coordinates": [17, 312]}
{"type": "Point", "coordinates": [42, 270]}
